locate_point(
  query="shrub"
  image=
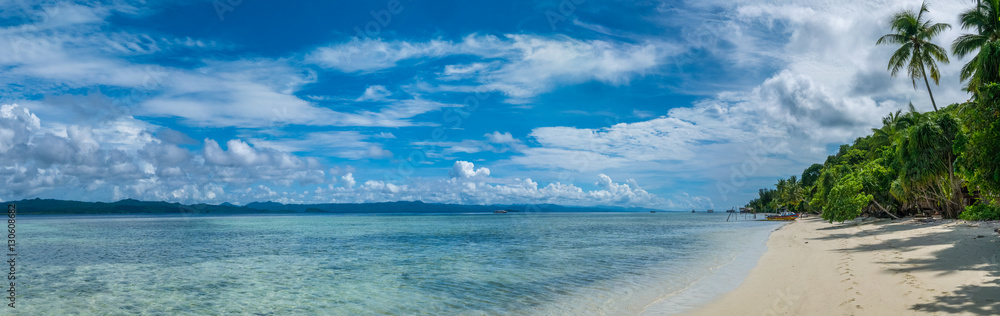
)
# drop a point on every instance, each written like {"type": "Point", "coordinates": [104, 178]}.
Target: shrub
{"type": "Point", "coordinates": [981, 213]}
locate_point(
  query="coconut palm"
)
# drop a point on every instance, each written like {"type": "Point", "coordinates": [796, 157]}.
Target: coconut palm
{"type": "Point", "coordinates": [917, 53]}
{"type": "Point", "coordinates": [985, 18]}
{"type": "Point", "coordinates": [886, 135]}
{"type": "Point", "coordinates": [794, 192]}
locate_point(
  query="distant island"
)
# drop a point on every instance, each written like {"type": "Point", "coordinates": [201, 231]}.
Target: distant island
{"type": "Point", "coordinates": [130, 206]}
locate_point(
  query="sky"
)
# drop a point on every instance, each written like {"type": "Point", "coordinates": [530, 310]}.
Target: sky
{"type": "Point", "coordinates": [672, 105]}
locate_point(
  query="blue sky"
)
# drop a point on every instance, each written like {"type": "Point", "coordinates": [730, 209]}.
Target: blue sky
{"type": "Point", "coordinates": [665, 104]}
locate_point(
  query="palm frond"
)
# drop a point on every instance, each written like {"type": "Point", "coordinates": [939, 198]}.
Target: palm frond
{"type": "Point", "coordinates": [892, 39]}
{"type": "Point", "coordinates": [936, 29]}
{"type": "Point", "coordinates": [937, 52]}
{"type": "Point", "coordinates": [899, 58]}
{"type": "Point", "coordinates": [915, 68]}
{"type": "Point", "coordinates": [967, 43]}
{"type": "Point", "coordinates": [970, 68]}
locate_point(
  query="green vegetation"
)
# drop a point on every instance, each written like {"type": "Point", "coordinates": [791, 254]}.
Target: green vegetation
{"type": "Point", "coordinates": [985, 18]}
{"type": "Point", "coordinates": [980, 213]}
{"type": "Point", "coordinates": [942, 162]}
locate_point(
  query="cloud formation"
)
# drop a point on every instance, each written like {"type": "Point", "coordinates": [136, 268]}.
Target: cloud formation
{"type": "Point", "coordinates": [129, 162]}
{"type": "Point", "coordinates": [523, 66]}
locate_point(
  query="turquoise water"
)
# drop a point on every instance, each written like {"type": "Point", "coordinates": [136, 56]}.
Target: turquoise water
{"type": "Point", "coordinates": [474, 264]}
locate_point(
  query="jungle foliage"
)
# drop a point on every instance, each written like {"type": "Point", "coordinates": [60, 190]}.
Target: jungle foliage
{"type": "Point", "coordinates": [944, 162]}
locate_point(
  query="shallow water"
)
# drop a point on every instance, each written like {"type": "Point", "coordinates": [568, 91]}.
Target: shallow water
{"type": "Point", "coordinates": [470, 264]}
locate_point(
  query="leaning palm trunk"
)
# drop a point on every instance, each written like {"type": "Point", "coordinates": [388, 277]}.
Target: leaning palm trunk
{"type": "Point", "coordinates": [929, 88]}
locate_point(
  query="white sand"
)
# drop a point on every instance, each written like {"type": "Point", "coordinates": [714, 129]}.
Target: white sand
{"type": "Point", "coordinates": [903, 267]}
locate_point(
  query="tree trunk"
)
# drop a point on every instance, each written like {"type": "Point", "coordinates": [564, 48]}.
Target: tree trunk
{"type": "Point", "coordinates": [928, 83]}
{"type": "Point", "coordinates": [956, 190]}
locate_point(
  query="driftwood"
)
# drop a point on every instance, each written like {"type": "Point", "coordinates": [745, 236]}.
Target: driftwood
{"type": "Point", "coordinates": [884, 210]}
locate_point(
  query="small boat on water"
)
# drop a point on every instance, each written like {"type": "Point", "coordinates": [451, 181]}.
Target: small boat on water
{"type": "Point", "coordinates": [499, 212]}
{"type": "Point", "coordinates": [783, 217]}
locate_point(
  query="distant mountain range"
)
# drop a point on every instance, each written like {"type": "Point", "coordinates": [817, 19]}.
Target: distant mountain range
{"type": "Point", "coordinates": [130, 206]}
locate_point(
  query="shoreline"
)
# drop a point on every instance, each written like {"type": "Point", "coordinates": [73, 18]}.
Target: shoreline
{"type": "Point", "coordinates": [722, 279]}
{"type": "Point", "coordinates": [876, 267]}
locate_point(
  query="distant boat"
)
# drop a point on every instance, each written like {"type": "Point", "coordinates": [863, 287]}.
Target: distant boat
{"type": "Point", "coordinates": [711, 211]}
{"type": "Point", "coordinates": [692, 211]}
{"type": "Point", "coordinates": [499, 212]}
{"type": "Point", "coordinates": [652, 211]}
{"type": "Point", "coordinates": [783, 217]}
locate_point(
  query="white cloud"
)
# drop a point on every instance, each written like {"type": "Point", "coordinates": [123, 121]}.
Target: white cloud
{"type": "Point", "coordinates": [501, 138]}
{"type": "Point", "coordinates": [59, 45]}
{"type": "Point", "coordinates": [565, 159]}
{"type": "Point", "coordinates": [260, 94]}
{"type": "Point", "coordinates": [457, 72]}
{"type": "Point", "coordinates": [66, 48]}
{"type": "Point", "coordinates": [347, 180]}
{"type": "Point", "coordinates": [527, 65]}
{"type": "Point", "coordinates": [82, 164]}
{"type": "Point", "coordinates": [496, 142]}
{"type": "Point", "coordinates": [343, 144]}
{"type": "Point", "coordinates": [465, 169]}
{"type": "Point", "coordinates": [374, 93]}
{"type": "Point", "coordinates": [121, 157]}
{"type": "Point", "coordinates": [470, 185]}
{"type": "Point", "coordinates": [373, 54]}
{"type": "Point", "coordinates": [16, 126]}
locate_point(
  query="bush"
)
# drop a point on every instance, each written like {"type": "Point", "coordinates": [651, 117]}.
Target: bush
{"type": "Point", "coordinates": [981, 213]}
{"type": "Point", "coordinates": [846, 200]}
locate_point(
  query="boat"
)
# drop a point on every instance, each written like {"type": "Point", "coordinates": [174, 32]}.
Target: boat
{"type": "Point", "coordinates": [692, 211]}
{"type": "Point", "coordinates": [711, 211]}
{"type": "Point", "coordinates": [499, 212]}
{"type": "Point", "coordinates": [783, 217]}
{"type": "Point", "coordinates": [652, 211]}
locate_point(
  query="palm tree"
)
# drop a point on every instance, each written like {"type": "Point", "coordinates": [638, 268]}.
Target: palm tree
{"type": "Point", "coordinates": [985, 18]}
{"type": "Point", "coordinates": [795, 194]}
{"type": "Point", "coordinates": [885, 135]}
{"type": "Point", "coordinates": [917, 53]}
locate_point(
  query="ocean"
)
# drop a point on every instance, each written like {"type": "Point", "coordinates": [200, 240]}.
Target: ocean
{"type": "Point", "coordinates": [364, 264]}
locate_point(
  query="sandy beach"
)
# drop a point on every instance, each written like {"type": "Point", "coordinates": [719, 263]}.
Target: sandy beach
{"type": "Point", "coordinates": [875, 267]}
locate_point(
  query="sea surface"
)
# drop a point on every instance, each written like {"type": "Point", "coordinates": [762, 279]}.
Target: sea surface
{"type": "Point", "coordinates": [447, 264]}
